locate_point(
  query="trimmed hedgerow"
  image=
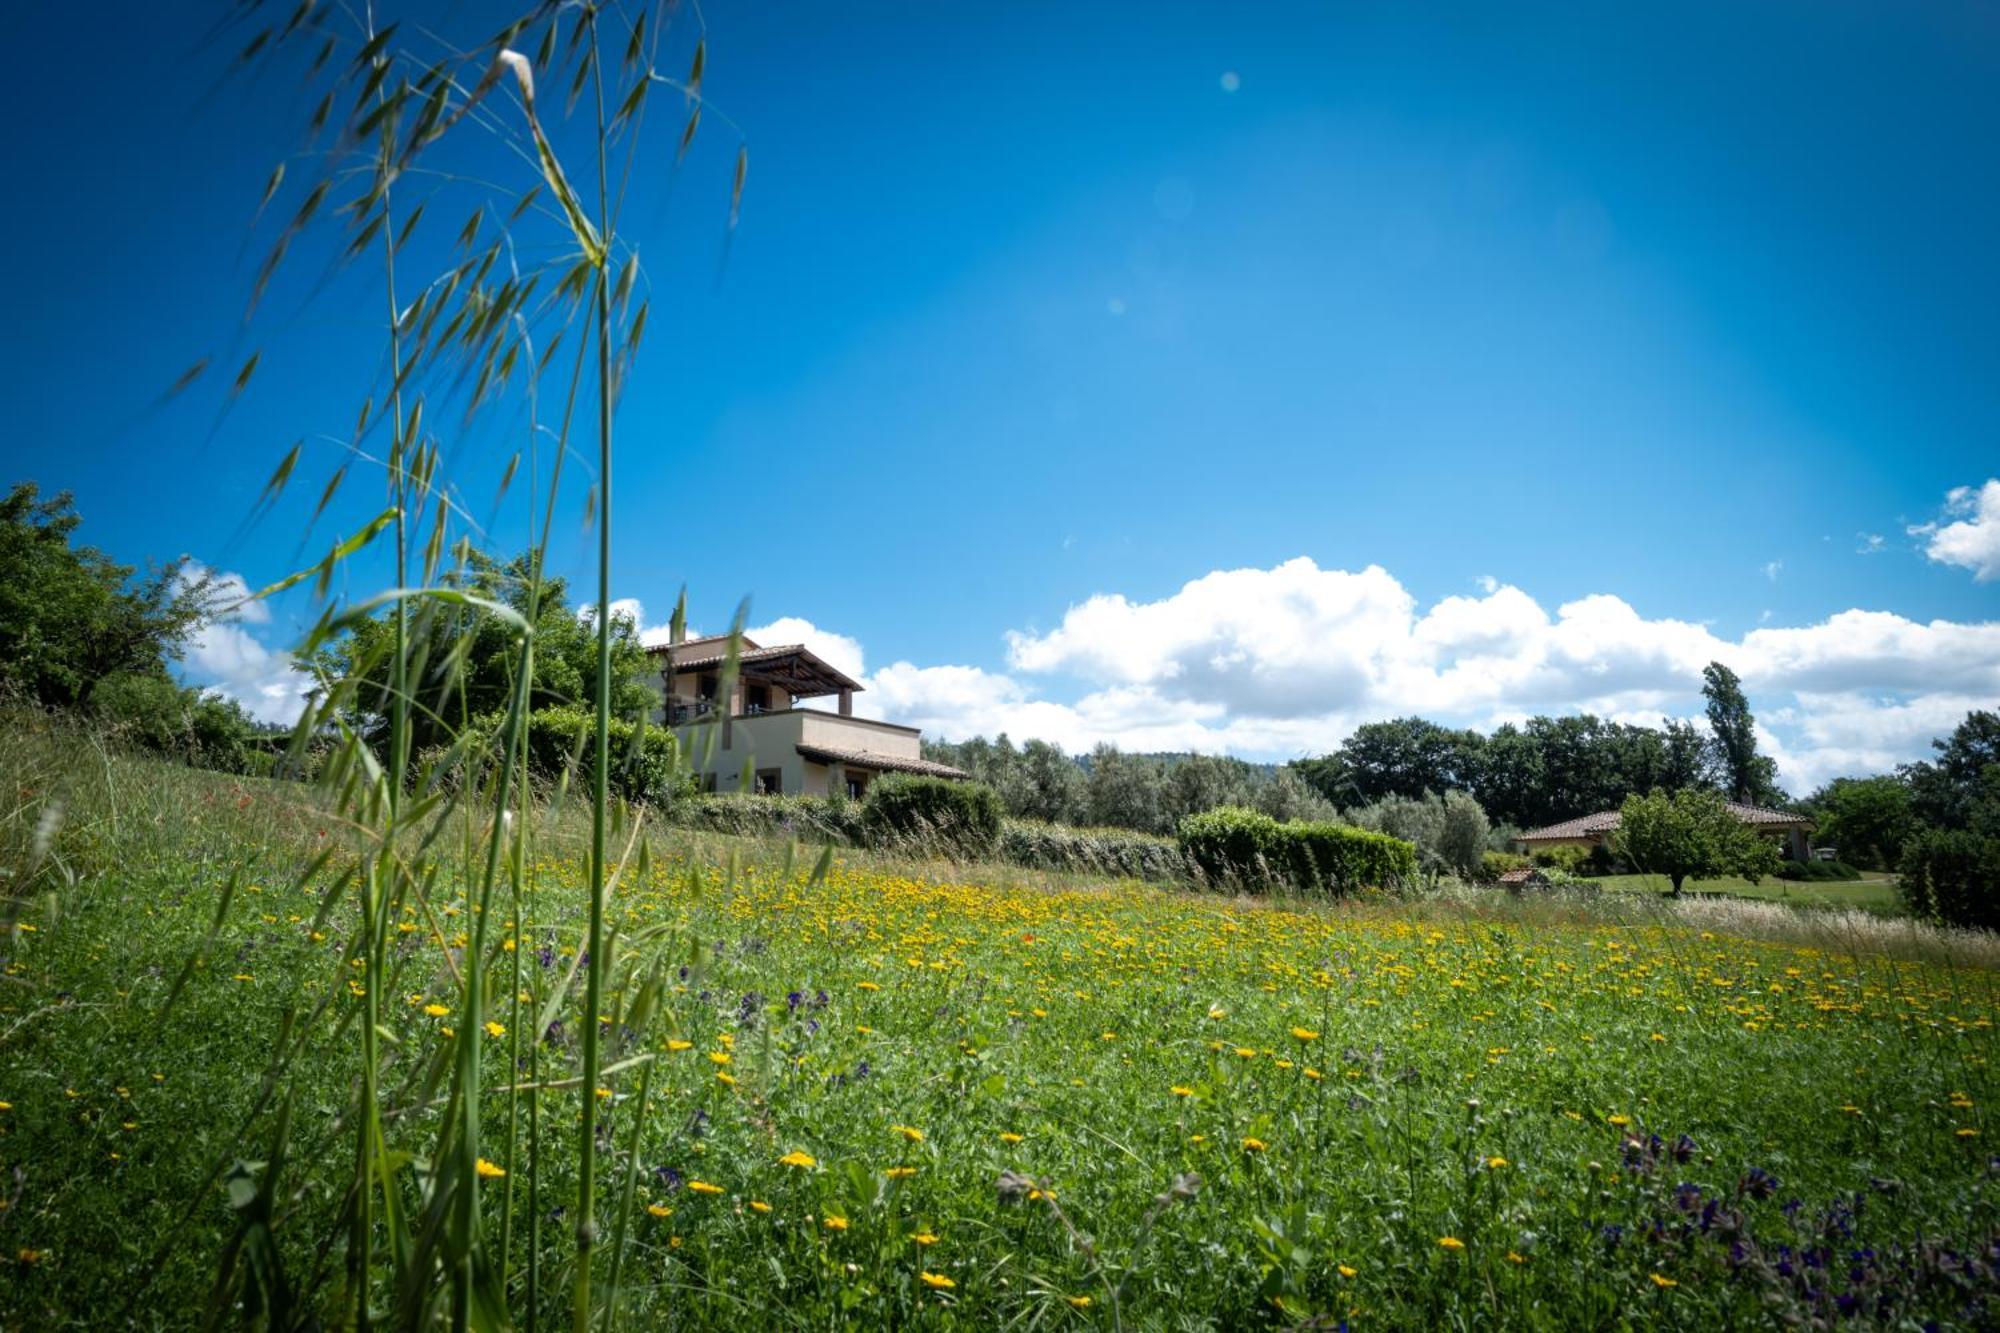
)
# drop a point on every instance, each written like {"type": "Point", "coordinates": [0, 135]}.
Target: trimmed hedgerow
{"type": "Point", "coordinates": [1336, 858]}
{"type": "Point", "coordinates": [1119, 852]}
{"type": "Point", "coordinates": [751, 814]}
{"type": "Point", "coordinates": [1818, 872]}
{"type": "Point", "coordinates": [959, 818]}
{"type": "Point", "coordinates": [1234, 844]}
{"type": "Point", "coordinates": [1246, 849]}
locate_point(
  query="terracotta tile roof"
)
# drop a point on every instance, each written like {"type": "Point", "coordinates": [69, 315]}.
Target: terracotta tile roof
{"type": "Point", "coordinates": [1525, 875]}
{"type": "Point", "coordinates": [1604, 821]}
{"type": "Point", "coordinates": [708, 645]}
{"type": "Point", "coordinates": [824, 754]}
{"type": "Point", "coordinates": [694, 655]}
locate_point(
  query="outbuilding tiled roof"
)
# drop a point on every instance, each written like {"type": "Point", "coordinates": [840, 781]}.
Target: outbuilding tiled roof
{"type": "Point", "coordinates": [825, 754]}
{"type": "Point", "coordinates": [1603, 822]}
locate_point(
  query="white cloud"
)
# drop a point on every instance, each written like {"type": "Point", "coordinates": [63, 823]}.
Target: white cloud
{"type": "Point", "coordinates": [837, 650]}
{"type": "Point", "coordinates": [1277, 662]}
{"type": "Point", "coordinates": [225, 657]}
{"type": "Point", "coordinates": [1772, 568]}
{"type": "Point", "coordinates": [1871, 543]}
{"type": "Point", "coordinates": [1972, 539]}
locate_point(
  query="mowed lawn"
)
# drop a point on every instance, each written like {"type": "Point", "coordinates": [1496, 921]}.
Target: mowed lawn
{"type": "Point", "coordinates": [908, 1096]}
{"type": "Point", "coordinates": [1874, 892]}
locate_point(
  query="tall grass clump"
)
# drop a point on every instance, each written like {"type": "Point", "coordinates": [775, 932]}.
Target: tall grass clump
{"type": "Point", "coordinates": [515, 317]}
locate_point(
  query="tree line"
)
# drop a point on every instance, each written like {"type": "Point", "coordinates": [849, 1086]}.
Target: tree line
{"type": "Point", "coordinates": [1522, 776]}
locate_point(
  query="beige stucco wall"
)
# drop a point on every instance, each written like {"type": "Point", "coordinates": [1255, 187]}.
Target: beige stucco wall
{"type": "Point", "coordinates": [771, 740]}
{"type": "Point", "coordinates": [859, 733]}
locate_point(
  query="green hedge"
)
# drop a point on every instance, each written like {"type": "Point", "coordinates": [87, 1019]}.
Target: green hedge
{"type": "Point", "coordinates": [748, 814]}
{"type": "Point", "coordinates": [1120, 852]}
{"type": "Point", "coordinates": [1335, 858]}
{"type": "Point", "coordinates": [959, 818]}
{"type": "Point", "coordinates": [1817, 872]}
{"type": "Point", "coordinates": [1953, 876]}
{"type": "Point", "coordinates": [1246, 849]}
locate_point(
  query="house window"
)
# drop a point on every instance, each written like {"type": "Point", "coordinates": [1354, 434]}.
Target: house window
{"type": "Point", "coordinates": [771, 781]}
{"type": "Point", "coordinates": [856, 784]}
{"type": "Point", "coordinates": [705, 687]}
{"type": "Point", "coordinates": [708, 782]}
{"type": "Point", "coordinates": [756, 698]}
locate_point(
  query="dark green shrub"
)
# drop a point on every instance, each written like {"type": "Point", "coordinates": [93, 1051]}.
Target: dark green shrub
{"type": "Point", "coordinates": [1817, 872]}
{"type": "Point", "coordinates": [1569, 860]}
{"type": "Point", "coordinates": [1953, 876]}
{"type": "Point", "coordinates": [1236, 845]}
{"type": "Point", "coordinates": [1119, 852]}
{"type": "Point", "coordinates": [1337, 859]}
{"type": "Point", "coordinates": [153, 712]}
{"type": "Point", "coordinates": [960, 818]}
{"type": "Point", "coordinates": [1242, 848]}
{"type": "Point", "coordinates": [647, 769]}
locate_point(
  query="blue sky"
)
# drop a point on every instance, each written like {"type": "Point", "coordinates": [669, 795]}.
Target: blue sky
{"type": "Point", "coordinates": [1683, 308]}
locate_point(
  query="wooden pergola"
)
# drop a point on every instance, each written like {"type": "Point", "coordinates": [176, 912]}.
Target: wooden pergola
{"type": "Point", "coordinates": [792, 667]}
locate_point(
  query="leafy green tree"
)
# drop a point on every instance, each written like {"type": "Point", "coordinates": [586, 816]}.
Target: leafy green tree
{"type": "Point", "coordinates": [1947, 792]}
{"type": "Point", "coordinates": [1327, 775]}
{"type": "Point", "coordinates": [1449, 830]}
{"type": "Point", "coordinates": [463, 658]}
{"type": "Point", "coordinates": [1689, 834]}
{"type": "Point", "coordinates": [1199, 782]}
{"type": "Point", "coordinates": [1867, 819]}
{"type": "Point", "coordinates": [1125, 791]}
{"type": "Point", "coordinates": [1052, 784]}
{"type": "Point", "coordinates": [1953, 876]}
{"type": "Point", "coordinates": [1512, 783]}
{"type": "Point", "coordinates": [1288, 798]}
{"type": "Point", "coordinates": [71, 617]}
{"type": "Point", "coordinates": [1684, 757]}
{"type": "Point", "coordinates": [1409, 756]}
{"type": "Point", "coordinates": [1749, 777]}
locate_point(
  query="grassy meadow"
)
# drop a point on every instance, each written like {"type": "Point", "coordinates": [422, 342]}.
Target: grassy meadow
{"type": "Point", "coordinates": [1875, 892]}
{"type": "Point", "coordinates": [890, 1093]}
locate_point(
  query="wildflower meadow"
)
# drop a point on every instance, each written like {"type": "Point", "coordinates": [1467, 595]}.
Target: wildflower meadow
{"type": "Point", "coordinates": [429, 1017]}
{"type": "Point", "coordinates": [887, 1093]}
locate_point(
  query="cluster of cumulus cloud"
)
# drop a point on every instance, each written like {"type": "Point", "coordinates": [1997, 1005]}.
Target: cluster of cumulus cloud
{"type": "Point", "coordinates": [1282, 662]}
{"type": "Point", "coordinates": [1287, 661]}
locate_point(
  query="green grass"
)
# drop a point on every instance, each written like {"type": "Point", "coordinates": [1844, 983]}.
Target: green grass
{"type": "Point", "coordinates": [1873, 893]}
{"type": "Point", "coordinates": [1337, 1089]}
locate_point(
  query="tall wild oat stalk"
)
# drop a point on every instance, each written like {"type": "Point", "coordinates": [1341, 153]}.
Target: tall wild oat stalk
{"type": "Point", "coordinates": [403, 126]}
